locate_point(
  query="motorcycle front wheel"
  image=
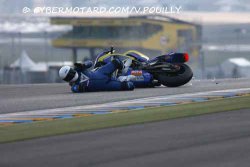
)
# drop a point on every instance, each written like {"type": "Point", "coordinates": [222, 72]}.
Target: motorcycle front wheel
{"type": "Point", "coordinates": [179, 78]}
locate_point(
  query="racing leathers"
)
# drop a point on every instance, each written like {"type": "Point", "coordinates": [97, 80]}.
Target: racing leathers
{"type": "Point", "coordinates": [99, 79]}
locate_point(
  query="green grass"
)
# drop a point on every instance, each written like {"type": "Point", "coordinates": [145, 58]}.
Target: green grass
{"type": "Point", "coordinates": [25, 131]}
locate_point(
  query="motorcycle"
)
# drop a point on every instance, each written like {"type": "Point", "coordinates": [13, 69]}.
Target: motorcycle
{"type": "Point", "coordinates": [169, 70]}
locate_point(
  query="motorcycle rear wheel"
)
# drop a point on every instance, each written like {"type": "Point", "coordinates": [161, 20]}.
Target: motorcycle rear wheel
{"type": "Point", "coordinates": [183, 76]}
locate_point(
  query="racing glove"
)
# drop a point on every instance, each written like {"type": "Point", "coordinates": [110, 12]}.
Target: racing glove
{"type": "Point", "coordinates": [85, 65]}
{"type": "Point", "coordinates": [118, 63]}
{"type": "Point", "coordinates": [79, 88]}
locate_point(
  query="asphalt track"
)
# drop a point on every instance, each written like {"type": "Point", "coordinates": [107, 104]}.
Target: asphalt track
{"type": "Point", "coordinates": [15, 98]}
{"type": "Point", "coordinates": [220, 139]}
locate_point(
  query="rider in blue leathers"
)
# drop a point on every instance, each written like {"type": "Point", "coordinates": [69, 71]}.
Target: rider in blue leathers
{"type": "Point", "coordinates": [82, 79]}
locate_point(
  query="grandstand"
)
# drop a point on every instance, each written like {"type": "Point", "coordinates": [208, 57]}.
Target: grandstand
{"type": "Point", "coordinates": [150, 34]}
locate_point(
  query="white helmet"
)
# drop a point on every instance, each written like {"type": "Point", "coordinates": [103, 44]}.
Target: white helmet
{"type": "Point", "coordinates": [68, 74]}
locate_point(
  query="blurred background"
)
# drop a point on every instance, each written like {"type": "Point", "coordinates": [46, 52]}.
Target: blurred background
{"type": "Point", "coordinates": [34, 46]}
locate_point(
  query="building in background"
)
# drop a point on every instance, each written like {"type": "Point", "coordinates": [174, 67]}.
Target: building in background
{"type": "Point", "coordinates": [150, 34]}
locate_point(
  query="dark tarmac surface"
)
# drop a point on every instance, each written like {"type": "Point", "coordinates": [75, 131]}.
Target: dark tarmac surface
{"type": "Point", "coordinates": [220, 139]}
{"type": "Point", "coordinates": [15, 98]}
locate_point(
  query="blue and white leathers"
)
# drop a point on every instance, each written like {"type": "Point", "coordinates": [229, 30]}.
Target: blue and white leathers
{"type": "Point", "coordinates": [100, 79]}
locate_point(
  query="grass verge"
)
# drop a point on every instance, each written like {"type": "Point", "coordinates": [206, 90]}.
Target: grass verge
{"type": "Point", "coordinates": [25, 131]}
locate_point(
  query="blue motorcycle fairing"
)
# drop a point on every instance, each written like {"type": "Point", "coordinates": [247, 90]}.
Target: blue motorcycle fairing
{"type": "Point", "coordinates": [172, 57]}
